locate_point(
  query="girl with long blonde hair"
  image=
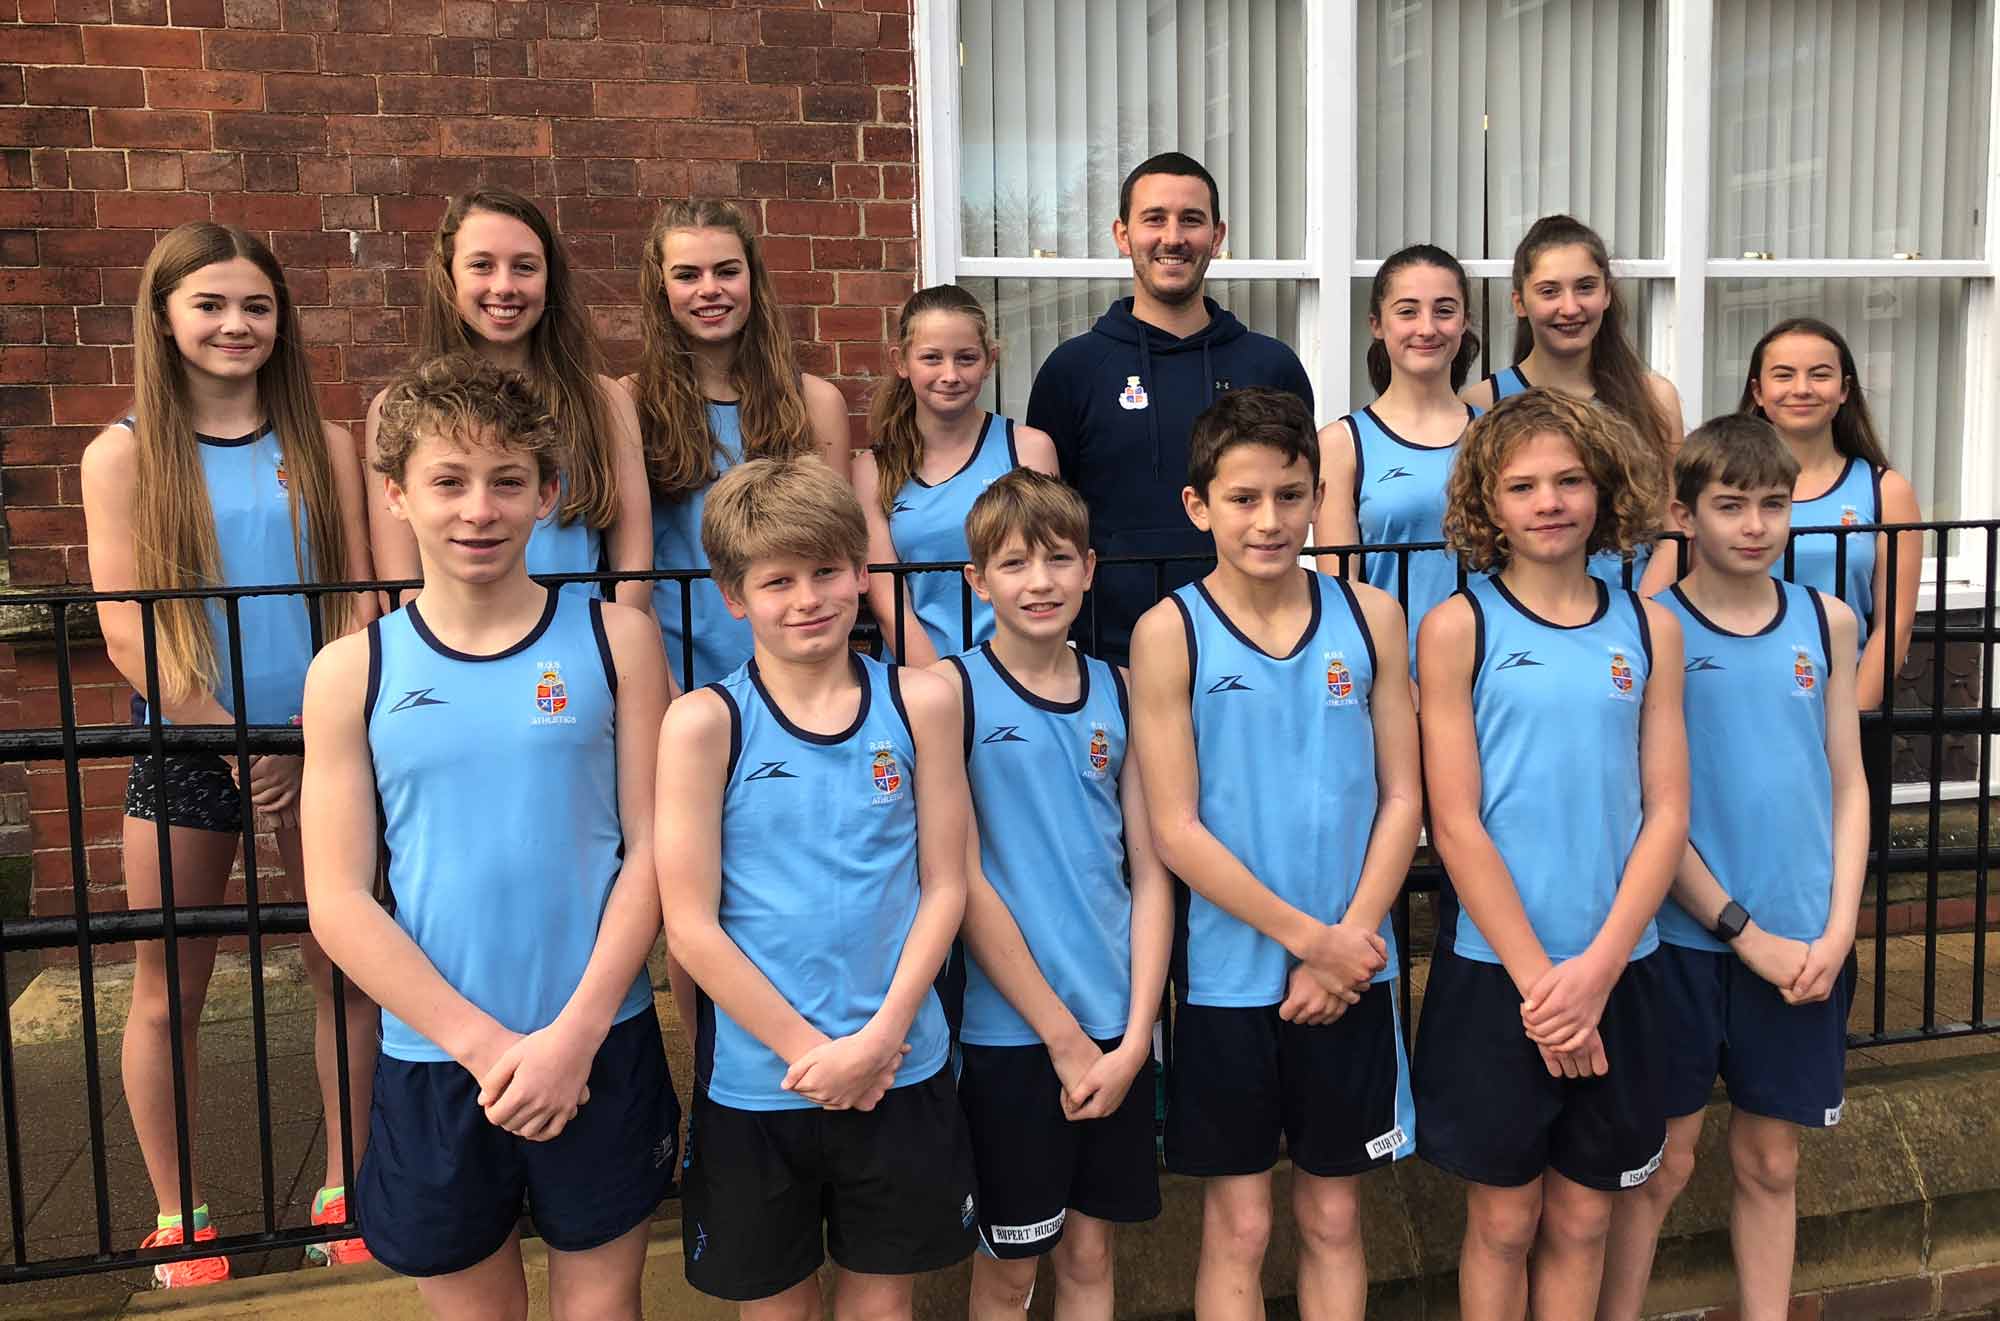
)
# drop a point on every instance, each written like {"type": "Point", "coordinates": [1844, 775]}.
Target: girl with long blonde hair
{"type": "Point", "coordinates": [935, 449]}
{"type": "Point", "coordinates": [718, 384]}
{"type": "Point", "coordinates": [499, 284]}
{"type": "Point", "coordinates": [223, 475]}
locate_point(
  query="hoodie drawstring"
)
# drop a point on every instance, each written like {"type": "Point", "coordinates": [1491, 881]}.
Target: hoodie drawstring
{"type": "Point", "coordinates": [1146, 381]}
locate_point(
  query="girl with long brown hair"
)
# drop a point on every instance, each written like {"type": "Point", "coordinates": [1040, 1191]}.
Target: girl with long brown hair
{"type": "Point", "coordinates": [224, 475]}
{"type": "Point", "coordinates": [935, 451]}
{"type": "Point", "coordinates": [1570, 334]}
{"type": "Point", "coordinates": [718, 384]}
{"type": "Point", "coordinates": [499, 284]}
{"type": "Point", "coordinates": [1804, 381]}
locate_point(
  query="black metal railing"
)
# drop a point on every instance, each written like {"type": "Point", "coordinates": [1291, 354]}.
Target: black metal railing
{"type": "Point", "coordinates": [259, 919]}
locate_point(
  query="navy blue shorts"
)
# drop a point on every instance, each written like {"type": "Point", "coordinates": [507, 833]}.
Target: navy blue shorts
{"type": "Point", "coordinates": [1489, 1112]}
{"type": "Point", "coordinates": [1338, 1093]}
{"type": "Point", "coordinates": [440, 1187]}
{"type": "Point", "coordinates": [1035, 1165]}
{"type": "Point", "coordinates": [1777, 1060]}
{"type": "Point", "coordinates": [771, 1193]}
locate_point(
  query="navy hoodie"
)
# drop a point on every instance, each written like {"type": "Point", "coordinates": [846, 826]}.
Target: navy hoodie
{"type": "Point", "coordinates": [1119, 403]}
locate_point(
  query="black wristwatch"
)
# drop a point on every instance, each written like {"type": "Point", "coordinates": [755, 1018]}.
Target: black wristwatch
{"type": "Point", "coordinates": [1729, 923]}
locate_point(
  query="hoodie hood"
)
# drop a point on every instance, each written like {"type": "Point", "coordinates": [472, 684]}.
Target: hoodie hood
{"type": "Point", "coordinates": [1118, 324]}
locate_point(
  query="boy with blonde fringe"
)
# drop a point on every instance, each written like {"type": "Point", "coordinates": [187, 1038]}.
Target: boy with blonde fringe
{"type": "Point", "coordinates": [812, 844]}
{"type": "Point", "coordinates": [1069, 918]}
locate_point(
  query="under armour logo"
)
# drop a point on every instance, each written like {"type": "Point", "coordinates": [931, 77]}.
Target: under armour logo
{"type": "Point", "coordinates": [1516, 659]}
{"type": "Point", "coordinates": [1697, 664]}
{"type": "Point", "coordinates": [1004, 734]}
{"type": "Point", "coordinates": [1230, 683]}
{"type": "Point", "coordinates": [418, 697]}
{"type": "Point", "coordinates": [1393, 474]}
{"type": "Point", "coordinates": [770, 770]}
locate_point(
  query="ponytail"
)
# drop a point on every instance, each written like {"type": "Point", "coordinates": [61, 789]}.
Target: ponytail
{"type": "Point", "coordinates": [1380, 372]}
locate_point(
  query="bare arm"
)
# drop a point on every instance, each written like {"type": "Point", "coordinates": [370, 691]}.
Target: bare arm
{"type": "Point", "coordinates": [1479, 876]}
{"type": "Point", "coordinates": [687, 848]}
{"type": "Point", "coordinates": [905, 636]}
{"type": "Point", "coordinates": [1899, 505]}
{"type": "Point", "coordinates": [628, 542]}
{"type": "Point", "coordinates": [1399, 790]}
{"type": "Point", "coordinates": [1035, 449]}
{"type": "Point", "coordinates": [337, 821]}
{"type": "Point", "coordinates": [393, 544]}
{"type": "Point", "coordinates": [826, 409]}
{"type": "Point", "coordinates": [1152, 910]}
{"type": "Point", "coordinates": [1334, 522]}
{"type": "Point", "coordinates": [110, 475]}
{"type": "Point", "coordinates": [1480, 395]}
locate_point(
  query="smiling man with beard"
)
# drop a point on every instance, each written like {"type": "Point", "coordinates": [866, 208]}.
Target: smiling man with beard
{"type": "Point", "coordinates": [1120, 400]}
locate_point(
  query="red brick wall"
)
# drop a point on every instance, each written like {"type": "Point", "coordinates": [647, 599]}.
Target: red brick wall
{"type": "Point", "coordinates": [336, 129]}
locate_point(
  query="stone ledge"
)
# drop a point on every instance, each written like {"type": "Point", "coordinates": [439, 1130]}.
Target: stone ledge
{"type": "Point", "coordinates": [1899, 1217]}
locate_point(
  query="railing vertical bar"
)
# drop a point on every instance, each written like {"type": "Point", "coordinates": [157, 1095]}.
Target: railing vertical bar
{"type": "Point", "coordinates": [966, 641]}
{"type": "Point", "coordinates": [1934, 814]}
{"type": "Point", "coordinates": [253, 904]}
{"type": "Point", "coordinates": [86, 971]}
{"type": "Point", "coordinates": [1880, 788]}
{"type": "Point", "coordinates": [17, 1204]}
{"type": "Point", "coordinates": [1984, 808]}
{"type": "Point", "coordinates": [177, 1055]}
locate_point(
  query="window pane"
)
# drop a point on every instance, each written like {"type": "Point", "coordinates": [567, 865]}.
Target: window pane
{"type": "Point", "coordinates": [1846, 130]}
{"type": "Point", "coordinates": [1031, 317]}
{"type": "Point", "coordinates": [1058, 99]}
{"type": "Point", "coordinates": [1493, 319]}
{"type": "Point", "coordinates": [1479, 116]}
{"type": "Point", "coordinates": [1908, 338]}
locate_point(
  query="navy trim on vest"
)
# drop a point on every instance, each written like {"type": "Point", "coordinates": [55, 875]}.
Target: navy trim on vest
{"type": "Point", "coordinates": [1035, 700]}
{"type": "Point", "coordinates": [1312, 624]}
{"type": "Point", "coordinates": [1833, 486]}
{"type": "Point", "coordinates": [1645, 626]}
{"type": "Point", "coordinates": [236, 442]}
{"type": "Point", "coordinates": [970, 459]}
{"type": "Point", "coordinates": [603, 645]}
{"type": "Point", "coordinates": [1825, 630]}
{"type": "Point", "coordinates": [965, 707]}
{"type": "Point", "coordinates": [1875, 484]}
{"type": "Point", "coordinates": [895, 700]}
{"type": "Point", "coordinates": [534, 634]}
{"type": "Point", "coordinates": [1124, 701]}
{"type": "Point", "coordinates": [1777, 618]}
{"type": "Point", "coordinates": [1360, 620]}
{"type": "Point", "coordinates": [1013, 454]}
{"type": "Point", "coordinates": [1360, 462]}
{"type": "Point", "coordinates": [1478, 630]}
{"type": "Point", "coordinates": [1187, 627]}
{"type": "Point", "coordinates": [1603, 605]}
{"type": "Point", "coordinates": [860, 709]}
{"type": "Point", "coordinates": [374, 671]}
{"type": "Point", "coordinates": [735, 729]}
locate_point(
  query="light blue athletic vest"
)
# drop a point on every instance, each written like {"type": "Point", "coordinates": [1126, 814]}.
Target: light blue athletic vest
{"type": "Point", "coordinates": [819, 879]}
{"type": "Point", "coordinates": [1285, 746]}
{"type": "Point", "coordinates": [927, 525]}
{"type": "Point", "coordinates": [247, 491]}
{"type": "Point", "coordinates": [498, 780]}
{"type": "Point", "coordinates": [1855, 498]}
{"type": "Point", "coordinates": [1761, 812]}
{"type": "Point", "coordinates": [1399, 492]}
{"type": "Point", "coordinates": [1604, 565]}
{"type": "Point", "coordinates": [555, 547]}
{"type": "Point", "coordinates": [1556, 714]}
{"type": "Point", "coordinates": [721, 641]}
{"type": "Point", "coordinates": [1052, 842]}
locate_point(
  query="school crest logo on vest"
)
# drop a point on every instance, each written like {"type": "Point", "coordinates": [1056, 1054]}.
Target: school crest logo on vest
{"type": "Point", "coordinates": [1622, 681]}
{"type": "Point", "coordinates": [1100, 750]}
{"type": "Point", "coordinates": [885, 773]}
{"type": "Point", "coordinates": [1339, 680]}
{"type": "Point", "coordinates": [284, 483]}
{"type": "Point", "coordinates": [1849, 515]}
{"type": "Point", "coordinates": [551, 693]}
{"type": "Point", "coordinates": [1133, 397]}
{"type": "Point", "coordinates": [1802, 671]}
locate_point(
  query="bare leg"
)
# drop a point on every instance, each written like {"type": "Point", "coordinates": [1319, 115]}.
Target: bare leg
{"type": "Point", "coordinates": [1083, 1269]}
{"type": "Point", "coordinates": [1500, 1226]}
{"type": "Point", "coordinates": [858, 1297]}
{"type": "Point", "coordinates": [1333, 1269]}
{"type": "Point", "coordinates": [1636, 1217]}
{"type": "Point", "coordinates": [798, 1303]}
{"type": "Point", "coordinates": [601, 1284]}
{"type": "Point", "coordinates": [1569, 1250]}
{"type": "Point", "coordinates": [201, 860]}
{"type": "Point", "coordinates": [1763, 1214]}
{"type": "Point", "coordinates": [1000, 1289]}
{"type": "Point", "coordinates": [494, 1290]}
{"type": "Point", "coordinates": [1235, 1233]}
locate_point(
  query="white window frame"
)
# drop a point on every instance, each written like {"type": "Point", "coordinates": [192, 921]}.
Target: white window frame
{"type": "Point", "coordinates": [1331, 259]}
